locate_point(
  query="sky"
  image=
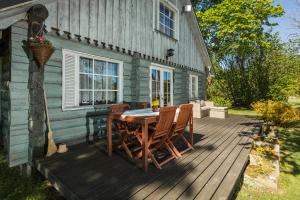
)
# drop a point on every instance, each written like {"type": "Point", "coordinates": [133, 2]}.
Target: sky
{"type": "Point", "coordinates": [286, 27]}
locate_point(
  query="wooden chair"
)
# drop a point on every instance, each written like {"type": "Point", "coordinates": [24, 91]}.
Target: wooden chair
{"type": "Point", "coordinates": [179, 127]}
{"type": "Point", "coordinates": [158, 136]}
{"type": "Point", "coordinates": [122, 128]}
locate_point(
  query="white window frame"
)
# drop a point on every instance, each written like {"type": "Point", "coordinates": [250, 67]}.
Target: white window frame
{"type": "Point", "coordinates": [196, 86]}
{"type": "Point", "coordinates": [156, 19]}
{"type": "Point", "coordinates": [77, 55]}
{"type": "Point", "coordinates": [162, 69]}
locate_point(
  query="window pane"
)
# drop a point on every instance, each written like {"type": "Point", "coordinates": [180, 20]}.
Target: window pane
{"type": "Point", "coordinates": [167, 11]}
{"type": "Point", "coordinates": [86, 98]}
{"type": "Point", "coordinates": [111, 97]}
{"type": "Point", "coordinates": [154, 74]}
{"type": "Point", "coordinates": [167, 22]}
{"type": "Point", "coordinates": [99, 82]}
{"type": "Point", "coordinates": [112, 83]}
{"type": "Point", "coordinates": [161, 18]}
{"type": "Point", "coordinates": [112, 69]}
{"type": "Point", "coordinates": [100, 97]}
{"type": "Point", "coordinates": [100, 67]}
{"type": "Point", "coordinates": [166, 18]}
{"type": "Point", "coordinates": [86, 65]}
{"type": "Point", "coordinates": [172, 24]}
{"type": "Point", "coordinates": [162, 28]}
{"type": "Point", "coordinates": [168, 32]}
{"type": "Point", "coordinates": [86, 81]}
{"type": "Point", "coordinates": [161, 6]}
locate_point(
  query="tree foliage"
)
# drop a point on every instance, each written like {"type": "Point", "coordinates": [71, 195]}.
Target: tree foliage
{"type": "Point", "coordinates": [250, 62]}
{"type": "Point", "coordinates": [234, 28]}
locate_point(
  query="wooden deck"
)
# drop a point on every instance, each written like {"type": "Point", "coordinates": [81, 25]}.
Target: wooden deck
{"type": "Point", "coordinates": [211, 171]}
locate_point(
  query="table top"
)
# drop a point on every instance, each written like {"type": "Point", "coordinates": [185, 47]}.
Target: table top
{"type": "Point", "coordinates": [145, 113]}
{"type": "Point", "coordinates": [139, 113]}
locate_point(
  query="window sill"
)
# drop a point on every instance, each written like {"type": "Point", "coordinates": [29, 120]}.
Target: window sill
{"type": "Point", "coordinates": [172, 38]}
{"type": "Point", "coordinates": [95, 107]}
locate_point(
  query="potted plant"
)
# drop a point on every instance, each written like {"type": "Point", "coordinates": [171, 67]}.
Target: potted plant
{"type": "Point", "coordinates": [41, 48]}
{"type": "Point", "coordinates": [155, 104]}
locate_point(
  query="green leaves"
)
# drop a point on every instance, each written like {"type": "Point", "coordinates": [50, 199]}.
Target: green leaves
{"type": "Point", "coordinates": [232, 27]}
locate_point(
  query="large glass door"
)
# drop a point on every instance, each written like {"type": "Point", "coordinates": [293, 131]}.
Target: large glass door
{"type": "Point", "coordinates": [161, 86]}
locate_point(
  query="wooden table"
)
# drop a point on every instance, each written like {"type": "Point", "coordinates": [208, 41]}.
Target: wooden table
{"type": "Point", "coordinates": [144, 121]}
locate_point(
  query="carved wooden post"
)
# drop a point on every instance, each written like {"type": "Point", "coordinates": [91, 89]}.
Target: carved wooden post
{"type": "Point", "coordinates": [36, 116]}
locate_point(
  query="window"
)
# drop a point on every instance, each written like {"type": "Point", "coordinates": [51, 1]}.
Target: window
{"type": "Point", "coordinates": [193, 86]}
{"type": "Point", "coordinates": [161, 84]}
{"type": "Point", "coordinates": [90, 80]}
{"type": "Point", "coordinates": [166, 20]}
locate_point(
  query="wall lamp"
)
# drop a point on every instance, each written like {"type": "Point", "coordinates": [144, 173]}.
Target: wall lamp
{"type": "Point", "coordinates": [170, 53]}
{"type": "Point", "coordinates": [186, 9]}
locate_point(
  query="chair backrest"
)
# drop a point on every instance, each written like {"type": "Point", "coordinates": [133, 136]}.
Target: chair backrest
{"type": "Point", "coordinates": [165, 121]}
{"type": "Point", "coordinates": [183, 116]}
{"type": "Point", "coordinates": [119, 108]}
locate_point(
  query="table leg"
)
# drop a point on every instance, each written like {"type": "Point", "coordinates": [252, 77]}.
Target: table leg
{"type": "Point", "coordinates": [109, 135]}
{"type": "Point", "coordinates": [191, 130]}
{"type": "Point", "coordinates": [145, 145]}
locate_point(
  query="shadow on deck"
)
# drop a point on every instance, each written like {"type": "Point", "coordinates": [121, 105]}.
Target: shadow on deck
{"type": "Point", "coordinates": [211, 171]}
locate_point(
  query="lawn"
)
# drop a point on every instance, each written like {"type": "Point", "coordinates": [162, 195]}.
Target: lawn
{"type": "Point", "coordinates": [241, 111]}
{"type": "Point", "coordinates": [14, 186]}
{"type": "Point", "coordinates": [289, 180]}
{"type": "Point", "coordinates": [295, 102]}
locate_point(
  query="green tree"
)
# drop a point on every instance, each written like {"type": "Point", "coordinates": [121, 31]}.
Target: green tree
{"type": "Point", "coordinates": [234, 28]}
{"type": "Point", "coordinates": [236, 35]}
{"type": "Point", "coordinates": [283, 64]}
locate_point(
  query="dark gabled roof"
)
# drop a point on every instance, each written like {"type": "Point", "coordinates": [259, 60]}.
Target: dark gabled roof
{"type": "Point", "coordinates": [9, 3]}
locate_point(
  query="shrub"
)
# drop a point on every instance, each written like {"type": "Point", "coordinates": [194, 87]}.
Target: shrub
{"type": "Point", "coordinates": [276, 112]}
{"type": "Point", "coordinates": [221, 101]}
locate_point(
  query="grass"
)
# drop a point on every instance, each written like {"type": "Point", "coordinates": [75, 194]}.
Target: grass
{"type": "Point", "coordinates": [289, 180]}
{"type": "Point", "coordinates": [241, 111]}
{"type": "Point", "coordinates": [295, 103]}
{"type": "Point", "coordinates": [15, 186]}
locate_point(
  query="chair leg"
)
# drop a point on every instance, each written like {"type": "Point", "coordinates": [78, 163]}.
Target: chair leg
{"type": "Point", "coordinates": [154, 160]}
{"type": "Point", "coordinates": [124, 145]}
{"type": "Point", "coordinates": [189, 146]}
{"type": "Point", "coordinates": [187, 142]}
{"type": "Point", "coordinates": [174, 149]}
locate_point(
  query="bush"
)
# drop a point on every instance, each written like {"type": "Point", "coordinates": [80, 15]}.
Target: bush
{"type": "Point", "coordinates": [276, 112]}
{"type": "Point", "coordinates": [221, 101]}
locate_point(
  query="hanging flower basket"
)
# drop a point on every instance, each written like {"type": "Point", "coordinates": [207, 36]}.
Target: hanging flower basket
{"type": "Point", "coordinates": [42, 50]}
{"type": "Point", "coordinates": [41, 53]}
{"type": "Point", "coordinates": [210, 80]}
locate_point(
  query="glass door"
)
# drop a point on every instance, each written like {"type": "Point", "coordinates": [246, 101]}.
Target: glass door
{"type": "Point", "coordinates": [161, 86]}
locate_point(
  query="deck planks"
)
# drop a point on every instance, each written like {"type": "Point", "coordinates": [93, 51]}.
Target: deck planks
{"type": "Point", "coordinates": [211, 171]}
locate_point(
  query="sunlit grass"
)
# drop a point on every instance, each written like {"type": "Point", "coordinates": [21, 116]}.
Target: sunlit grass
{"type": "Point", "coordinates": [295, 103]}
{"type": "Point", "coordinates": [241, 111]}
{"type": "Point", "coordinates": [289, 180]}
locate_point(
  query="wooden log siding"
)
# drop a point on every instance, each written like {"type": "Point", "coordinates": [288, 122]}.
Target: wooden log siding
{"type": "Point", "coordinates": [19, 98]}
{"type": "Point", "coordinates": [127, 24]}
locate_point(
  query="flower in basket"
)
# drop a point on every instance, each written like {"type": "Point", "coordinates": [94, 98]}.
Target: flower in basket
{"type": "Point", "coordinates": [155, 104]}
{"type": "Point", "coordinates": [41, 48]}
